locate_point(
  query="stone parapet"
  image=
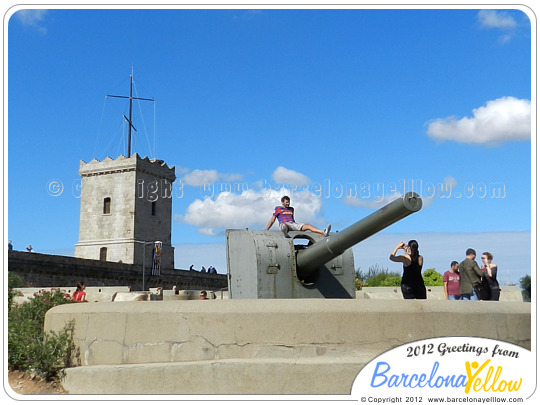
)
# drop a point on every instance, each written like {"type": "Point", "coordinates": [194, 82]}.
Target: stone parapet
{"type": "Point", "coordinates": [93, 294]}
{"type": "Point", "coordinates": [53, 271]}
{"type": "Point", "coordinates": [136, 342]}
{"type": "Point", "coordinates": [140, 332]}
{"type": "Point", "coordinates": [155, 167]}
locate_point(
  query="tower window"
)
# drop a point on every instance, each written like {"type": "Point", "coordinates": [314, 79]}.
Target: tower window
{"type": "Point", "coordinates": [103, 254]}
{"type": "Point", "coordinates": [107, 205]}
{"type": "Point", "coordinates": [153, 208]}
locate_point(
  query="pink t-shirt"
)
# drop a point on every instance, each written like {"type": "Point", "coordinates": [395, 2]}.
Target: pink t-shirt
{"type": "Point", "coordinates": [453, 282]}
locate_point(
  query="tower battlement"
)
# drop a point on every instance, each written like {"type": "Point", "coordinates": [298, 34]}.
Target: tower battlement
{"type": "Point", "coordinates": [154, 167]}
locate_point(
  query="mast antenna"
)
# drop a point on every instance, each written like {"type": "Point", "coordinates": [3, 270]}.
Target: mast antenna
{"type": "Point", "coordinates": [128, 119]}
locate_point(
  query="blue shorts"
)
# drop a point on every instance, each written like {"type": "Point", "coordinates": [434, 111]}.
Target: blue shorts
{"type": "Point", "coordinates": [471, 297]}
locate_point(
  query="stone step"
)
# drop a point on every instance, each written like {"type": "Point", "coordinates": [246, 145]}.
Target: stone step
{"type": "Point", "coordinates": [264, 376]}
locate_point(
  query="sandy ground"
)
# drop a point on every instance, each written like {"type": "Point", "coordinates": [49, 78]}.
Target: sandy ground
{"type": "Point", "coordinates": [25, 385]}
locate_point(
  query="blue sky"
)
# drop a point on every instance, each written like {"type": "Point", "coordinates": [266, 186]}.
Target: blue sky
{"type": "Point", "coordinates": [342, 109]}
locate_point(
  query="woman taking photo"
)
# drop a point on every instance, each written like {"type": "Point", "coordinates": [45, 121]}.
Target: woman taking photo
{"type": "Point", "coordinates": [412, 283]}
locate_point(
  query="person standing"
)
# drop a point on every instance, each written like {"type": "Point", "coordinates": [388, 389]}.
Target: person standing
{"type": "Point", "coordinates": [490, 272]}
{"type": "Point", "coordinates": [412, 283]}
{"type": "Point", "coordinates": [451, 282]}
{"type": "Point", "coordinates": [285, 217]}
{"type": "Point", "coordinates": [470, 276]}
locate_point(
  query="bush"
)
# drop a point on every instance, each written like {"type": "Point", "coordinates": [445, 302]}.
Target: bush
{"type": "Point", "coordinates": [14, 282]}
{"type": "Point", "coordinates": [525, 284]}
{"type": "Point", "coordinates": [432, 278]}
{"type": "Point", "coordinates": [378, 276]}
{"type": "Point", "coordinates": [30, 348]}
{"type": "Point", "coordinates": [384, 279]}
{"type": "Point", "coordinates": [373, 271]}
{"type": "Point", "coordinates": [391, 280]}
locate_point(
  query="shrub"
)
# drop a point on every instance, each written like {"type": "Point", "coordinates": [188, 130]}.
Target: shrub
{"type": "Point", "coordinates": [14, 282]}
{"type": "Point", "coordinates": [378, 276]}
{"type": "Point", "coordinates": [373, 271]}
{"type": "Point", "coordinates": [432, 278]}
{"type": "Point", "coordinates": [525, 284]}
{"type": "Point", "coordinates": [30, 348]}
{"type": "Point", "coordinates": [391, 280]}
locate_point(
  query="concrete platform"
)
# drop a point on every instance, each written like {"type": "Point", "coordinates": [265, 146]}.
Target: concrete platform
{"type": "Point", "coordinates": [261, 346]}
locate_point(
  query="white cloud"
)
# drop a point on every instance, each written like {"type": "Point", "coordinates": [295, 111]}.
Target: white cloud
{"type": "Point", "coordinates": [232, 177]}
{"type": "Point", "coordinates": [503, 119]}
{"type": "Point", "coordinates": [440, 190]}
{"type": "Point", "coordinates": [250, 209]}
{"type": "Point", "coordinates": [428, 191]}
{"type": "Point", "coordinates": [375, 204]}
{"type": "Point", "coordinates": [246, 15]}
{"type": "Point", "coordinates": [496, 19]}
{"type": "Point", "coordinates": [181, 170]}
{"type": "Point", "coordinates": [32, 18]}
{"type": "Point", "coordinates": [197, 178]}
{"type": "Point", "coordinates": [242, 207]}
{"type": "Point", "coordinates": [450, 182]}
{"type": "Point", "coordinates": [286, 176]}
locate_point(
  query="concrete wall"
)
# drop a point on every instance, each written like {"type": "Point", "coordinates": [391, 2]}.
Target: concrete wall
{"type": "Point", "coordinates": [52, 271]}
{"type": "Point", "coordinates": [93, 294]}
{"type": "Point", "coordinates": [508, 293]}
{"type": "Point", "coordinates": [301, 346]}
{"type": "Point", "coordinates": [122, 293]}
{"type": "Point", "coordinates": [104, 294]}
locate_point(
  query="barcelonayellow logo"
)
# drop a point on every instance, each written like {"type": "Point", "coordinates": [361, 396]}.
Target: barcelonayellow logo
{"type": "Point", "coordinates": [454, 366]}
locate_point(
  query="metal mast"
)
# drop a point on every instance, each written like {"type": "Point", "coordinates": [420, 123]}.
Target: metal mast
{"type": "Point", "coordinates": [131, 98]}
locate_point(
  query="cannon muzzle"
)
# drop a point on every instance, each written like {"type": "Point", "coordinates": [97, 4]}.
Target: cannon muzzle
{"type": "Point", "coordinates": [321, 252]}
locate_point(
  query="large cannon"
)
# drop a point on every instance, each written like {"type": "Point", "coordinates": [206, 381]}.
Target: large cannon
{"type": "Point", "coordinates": [265, 264]}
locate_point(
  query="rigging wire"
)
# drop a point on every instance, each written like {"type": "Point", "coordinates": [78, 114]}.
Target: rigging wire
{"type": "Point", "coordinates": [119, 137]}
{"type": "Point", "coordinates": [155, 151]}
{"type": "Point", "coordinates": [143, 121]}
{"type": "Point", "coordinates": [100, 127]}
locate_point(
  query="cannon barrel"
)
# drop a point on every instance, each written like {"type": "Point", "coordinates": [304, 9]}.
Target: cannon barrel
{"type": "Point", "coordinates": [326, 249]}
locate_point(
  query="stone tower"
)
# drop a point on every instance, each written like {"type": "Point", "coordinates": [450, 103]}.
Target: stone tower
{"type": "Point", "coordinates": [126, 206]}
